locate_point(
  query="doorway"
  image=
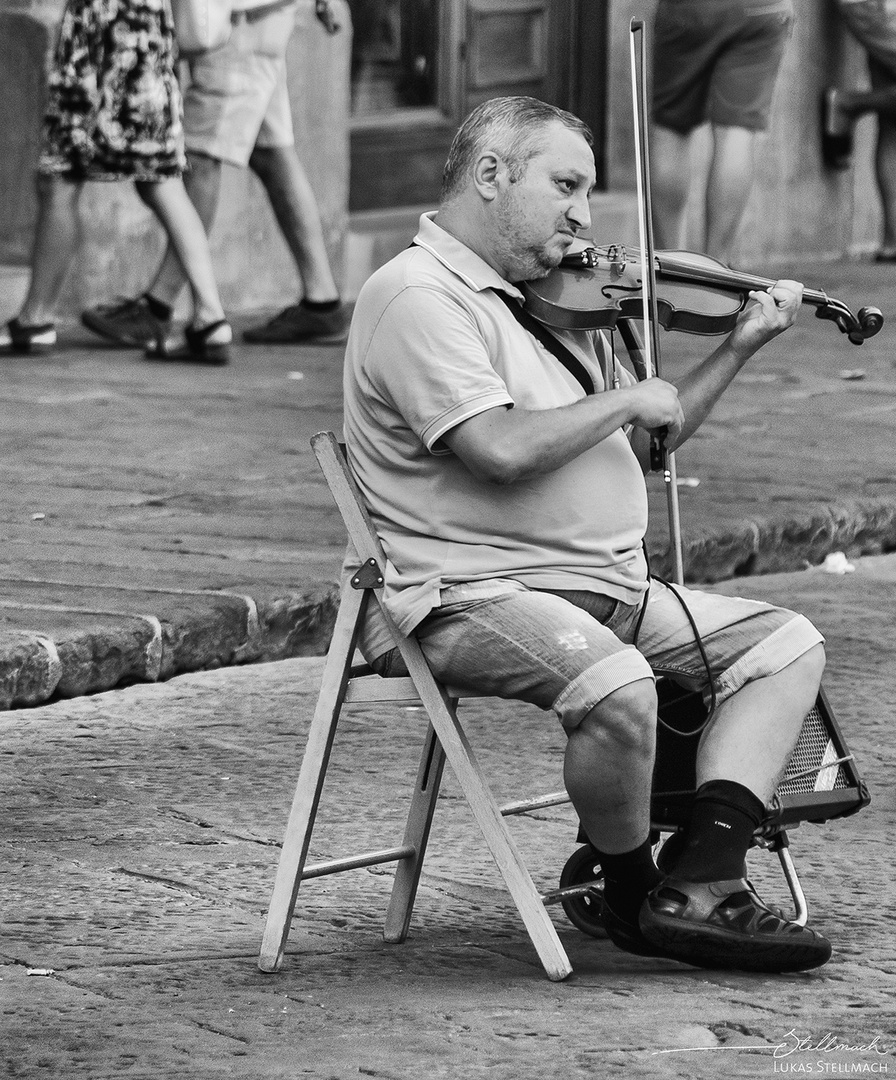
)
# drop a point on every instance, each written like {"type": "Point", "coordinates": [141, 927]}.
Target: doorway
{"type": "Point", "coordinates": [418, 66]}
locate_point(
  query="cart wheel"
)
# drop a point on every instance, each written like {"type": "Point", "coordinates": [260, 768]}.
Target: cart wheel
{"type": "Point", "coordinates": [667, 853]}
{"type": "Point", "coordinates": [584, 912]}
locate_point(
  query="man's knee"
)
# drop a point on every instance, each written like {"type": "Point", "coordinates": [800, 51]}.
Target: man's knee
{"type": "Point", "coordinates": [625, 719]}
{"type": "Point", "coordinates": [804, 673]}
{"type": "Point", "coordinates": [812, 664]}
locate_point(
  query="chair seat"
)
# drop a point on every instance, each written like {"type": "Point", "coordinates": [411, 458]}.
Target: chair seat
{"type": "Point", "coordinates": [374, 687]}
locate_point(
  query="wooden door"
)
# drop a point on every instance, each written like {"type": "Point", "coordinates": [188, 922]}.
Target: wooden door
{"type": "Point", "coordinates": [419, 66]}
{"type": "Point", "coordinates": [510, 47]}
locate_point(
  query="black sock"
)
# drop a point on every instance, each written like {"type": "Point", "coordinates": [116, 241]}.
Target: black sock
{"type": "Point", "coordinates": [322, 305]}
{"type": "Point", "coordinates": [723, 820]}
{"type": "Point", "coordinates": [628, 878]}
{"type": "Point", "coordinates": [159, 308]}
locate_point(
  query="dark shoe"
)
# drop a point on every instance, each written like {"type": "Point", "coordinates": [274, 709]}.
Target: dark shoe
{"type": "Point", "coordinates": [208, 345]}
{"type": "Point", "coordinates": [126, 322]}
{"type": "Point", "coordinates": [885, 257]}
{"type": "Point", "coordinates": [836, 131]}
{"type": "Point", "coordinates": [724, 924]}
{"type": "Point", "coordinates": [628, 936]}
{"type": "Point", "coordinates": [16, 338]}
{"type": "Point", "coordinates": [298, 324]}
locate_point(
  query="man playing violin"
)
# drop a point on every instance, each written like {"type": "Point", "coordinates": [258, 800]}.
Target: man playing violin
{"type": "Point", "coordinates": [512, 508]}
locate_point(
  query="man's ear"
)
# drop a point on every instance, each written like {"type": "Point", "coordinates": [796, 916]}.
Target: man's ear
{"type": "Point", "coordinates": [487, 173]}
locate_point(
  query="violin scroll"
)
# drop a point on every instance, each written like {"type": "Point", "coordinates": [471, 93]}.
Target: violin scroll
{"type": "Point", "coordinates": [858, 328]}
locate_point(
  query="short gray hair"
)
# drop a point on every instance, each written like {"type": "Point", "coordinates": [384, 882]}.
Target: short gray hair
{"type": "Point", "coordinates": [510, 126]}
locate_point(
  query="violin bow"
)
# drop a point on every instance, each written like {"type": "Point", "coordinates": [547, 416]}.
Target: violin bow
{"type": "Point", "coordinates": [661, 459]}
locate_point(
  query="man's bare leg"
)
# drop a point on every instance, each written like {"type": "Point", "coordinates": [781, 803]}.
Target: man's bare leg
{"type": "Point", "coordinates": [295, 208]}
{"type": "Point", "coordinates": [319, 315]}
{"type": "Point", "coordinates": [609, 765]}
{"type": "Point", "coordinates": [754, 732]}
{"type": "Point", "coordinates": [728, 188]}
{"type": "Point", "coordinates": [670, 178]}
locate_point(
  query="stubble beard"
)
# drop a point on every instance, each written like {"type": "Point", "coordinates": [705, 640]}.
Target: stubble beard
{"type": "Point", "coordinates": [523, 258]}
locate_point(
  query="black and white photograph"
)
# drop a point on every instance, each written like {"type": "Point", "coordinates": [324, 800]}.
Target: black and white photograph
{"type": "Point", "coordinates": [448, 504]}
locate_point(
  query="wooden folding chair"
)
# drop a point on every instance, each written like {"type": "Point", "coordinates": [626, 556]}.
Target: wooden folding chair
{"type": "Point", "coordinates": [822, 781]}
{"type": "Point", "coordinates": [445, 740]}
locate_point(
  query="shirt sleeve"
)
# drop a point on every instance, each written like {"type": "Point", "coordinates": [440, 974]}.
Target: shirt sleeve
{"type": "Point", "coordinates": [427, 358]}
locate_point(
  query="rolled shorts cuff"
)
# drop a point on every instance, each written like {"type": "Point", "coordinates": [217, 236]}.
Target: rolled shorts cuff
{"type": "Point", "coordinates": [597, 682]}
{"type": "Point", "coordinates": [788, 643]}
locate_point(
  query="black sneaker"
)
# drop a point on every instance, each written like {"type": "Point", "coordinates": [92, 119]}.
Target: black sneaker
{"type": "Point", "coordinates": [298, 325]}
{"type": "Point", "coordinates": [126, 322]}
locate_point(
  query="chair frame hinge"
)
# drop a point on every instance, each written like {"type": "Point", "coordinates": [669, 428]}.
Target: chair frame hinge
{"type": "Point", "coordinates": [369, 576]}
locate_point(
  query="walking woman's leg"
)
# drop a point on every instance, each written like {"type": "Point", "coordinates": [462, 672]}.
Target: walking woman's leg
{"type": "Point", "coordinates": [56, 239]}
{"type": "Point", "coordinates": [170, 203]}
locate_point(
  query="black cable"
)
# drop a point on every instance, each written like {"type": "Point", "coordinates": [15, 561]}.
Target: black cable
{"type": "Point", "coordinates": [697, 640]}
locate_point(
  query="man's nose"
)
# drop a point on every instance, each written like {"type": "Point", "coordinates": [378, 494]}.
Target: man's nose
{"type": "Point", "coordinates": [579, 214]}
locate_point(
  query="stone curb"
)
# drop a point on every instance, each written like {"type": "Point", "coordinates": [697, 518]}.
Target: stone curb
{"type": "Point", "coordinates": [778, 545]}
{"type": "Point", "coordinates": [102, 649]}
{"type": "Point", "coordinates": [99, 650]}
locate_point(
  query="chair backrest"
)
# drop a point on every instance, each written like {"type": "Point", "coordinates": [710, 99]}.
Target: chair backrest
{"type": "Point", "coordinates": [330, 456]}
{"type": "Point", "coordinates": [370, 576]}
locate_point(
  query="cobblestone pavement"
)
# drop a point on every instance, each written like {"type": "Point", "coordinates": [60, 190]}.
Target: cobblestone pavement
{"type": "Point", "coordinates": [158, 519]}
{"type": "Point", "coordinates": [139, 842]}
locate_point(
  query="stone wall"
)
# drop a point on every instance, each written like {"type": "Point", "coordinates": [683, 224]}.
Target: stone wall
{"type": "Point", "coordinates": [798, 208]}
{"type": "Point", "coordinates": [122, 240]}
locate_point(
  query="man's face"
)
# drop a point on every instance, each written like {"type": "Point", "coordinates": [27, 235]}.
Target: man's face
{"type": "Point", "coordinates": [539, 216]}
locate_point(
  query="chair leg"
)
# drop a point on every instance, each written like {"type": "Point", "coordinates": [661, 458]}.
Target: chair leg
{"type": "Point", "coordinates": [423, 804]}
{"type": "Point", "coordinates": [494, 829]}
{"type": "Point", "coordinates": [311, 781]}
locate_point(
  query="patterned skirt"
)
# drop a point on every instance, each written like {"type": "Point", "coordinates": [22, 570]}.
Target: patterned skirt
{"type": "Point", "coordinates": [114, 109]}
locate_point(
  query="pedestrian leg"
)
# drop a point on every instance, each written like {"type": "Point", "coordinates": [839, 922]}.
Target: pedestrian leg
{"type": "Point", "coordinates": [55, 241]}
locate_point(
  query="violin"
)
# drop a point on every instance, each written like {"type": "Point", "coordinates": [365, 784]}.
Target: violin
{"type": "Point", "coordinates": [597, 288]}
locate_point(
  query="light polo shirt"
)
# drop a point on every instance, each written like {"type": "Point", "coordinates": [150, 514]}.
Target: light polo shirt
{"type": "Point", "coordinates": [431, 345]}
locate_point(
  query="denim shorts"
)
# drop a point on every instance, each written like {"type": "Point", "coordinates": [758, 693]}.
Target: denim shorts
{"type": "Point", "coordinates": [567, 651]}
{"type": "Point", "coordinates": [717, 60]}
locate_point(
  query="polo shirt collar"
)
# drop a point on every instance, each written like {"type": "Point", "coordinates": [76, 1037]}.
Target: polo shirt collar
{"type": "Point", "coordinates": [473, 270]}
